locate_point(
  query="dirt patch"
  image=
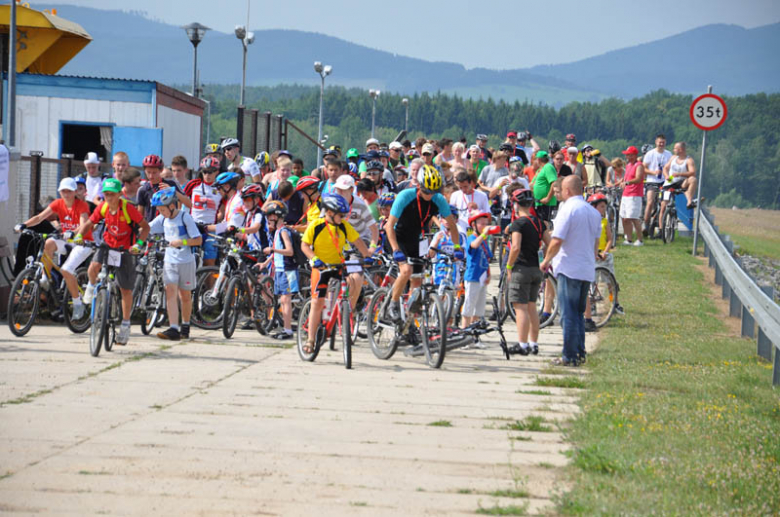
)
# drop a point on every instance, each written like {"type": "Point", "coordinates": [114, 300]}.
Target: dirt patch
{"type": "Point", "coordinates": [734, 325]}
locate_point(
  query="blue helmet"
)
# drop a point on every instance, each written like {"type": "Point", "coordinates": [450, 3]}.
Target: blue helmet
{"type": "Point", "coordinates": [336, 203]}
{"type": "Point", "coordinates": [164, 197]}
{"type": "Point", "coordinates": [227, 178]}
{"type": "Point", "coordinates": [386, 199]}
{"type": "Point", "coordinates": [454, 210]}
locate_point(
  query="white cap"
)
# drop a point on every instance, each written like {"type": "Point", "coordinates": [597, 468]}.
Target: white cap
{"type": "Point", "coordinates": [427, 148]}
{"type": "Point", "coordinates": [475, 148]}
{"type": "Point", "coordinates": [67, 184]}
{"type": "Point", "coordinates": [371, 141]}
{"type": "Point", "coordinates": [572, 149]}
{"type": "Point", "coordinates": [345, 182]}
{"type": "Point", "coordinates": [395, 145]}
{"type": "Point", "coordinates": [91, 158]}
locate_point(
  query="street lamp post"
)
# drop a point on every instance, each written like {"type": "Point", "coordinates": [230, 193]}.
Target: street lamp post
{"type": "Point", "coordinates": [323, 72]}
{"type": "Point", "coordinates": [247, 38]}
{"type": "Point", "coordinates": [374, 94]}
{"type": "Point", "coordinates": [195, 33]}
{"type": "Point", "coordinates": [405, 102]}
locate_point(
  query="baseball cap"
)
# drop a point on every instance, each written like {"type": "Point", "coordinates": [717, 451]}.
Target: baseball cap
{"type": "Point", "coordinates": [573, 149]}
{"type": "Point", "coordinates": [587, 146]}
{"type": "Point", "coordinates": [572, 137]}
{"type": "Point", "coordinates": [427, 148]}
{"type": "Point", "coordinates": [512, 134]}
{"type": "Point", "coordinates": [345, 182]}
{"type": "Point", "coordinates": [396, 145]}
{"type": "Point", "coordinates": [542, 154]}
{"type": "Point", "coordinates": [474, 148]}
{"type": "Point", "coordinates": [353, 153]}
{"type": "Point", "coordinates": [481, 136]}
{"type": "Point", "coordinates": [112, 185]}
{"type": "Point", "coordinates": [372, 141]}
{"type": "Point", "coordinates": [371, 155]}
{"type": "Point", "coordinates": [91, 158]}
{"type": "Point", "coordinates": [67, 184]}
{"type": "Point", "coordinates": [631, 150]}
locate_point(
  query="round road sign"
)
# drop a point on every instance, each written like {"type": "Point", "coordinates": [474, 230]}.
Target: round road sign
{"type": "Point", "coordinates": [708, 112]}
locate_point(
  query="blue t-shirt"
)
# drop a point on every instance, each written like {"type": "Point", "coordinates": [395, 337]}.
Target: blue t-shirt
{"type": "Point", "coordinates": [477, 260]}
{"type": "Point", "coordinates": [446, 245]}
{"type": "Point", "coordinates": [182, 226]}
{"type": "Point", "coordinates": [281, 262]}
{"type": "Point", "coordinates": [412, 218]}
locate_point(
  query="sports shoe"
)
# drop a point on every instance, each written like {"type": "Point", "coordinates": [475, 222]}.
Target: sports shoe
{"type": "Point", "coordinates": [284, 334]}
{"type": "Point", "coordinates": [639, 243]}
{"type": "Point", "coordinates": [619, 310]}
{"type": "Point", "coordinates": [124, 335]}
{"type": "Point", "coordinates": [519, 348]}
{"type": "Point", "coordinates": [44, 283]}
{"type": "Point", "coordinates": [185, 332]}
{"type": "Point", "coordinates": [171, 334]}
{"type": "Point", "coordinates": [89, 293]}
{"type": "Point", "coordinates": [394, 311]}
{"type": "Point", "coordinates": [78, 311]}
{"type": "Point", "coordinates": [627, 242]}
{"type": "Point", "coordinates": [590, 326]}
{"type": "Point", "coordinates": [248, 325]}
{"type": "Point", "coordinates": [534, 348]}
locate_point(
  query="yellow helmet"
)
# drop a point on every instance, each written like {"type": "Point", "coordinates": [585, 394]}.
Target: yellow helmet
{"type": "Point", "coordinates": [429, 178]}
{"type": "Point", "coordinates": [212, 149]}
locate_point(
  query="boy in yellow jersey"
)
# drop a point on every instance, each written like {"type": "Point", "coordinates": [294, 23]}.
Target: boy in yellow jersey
{"type": "Point", "coordinates": [323, 243]}
{"type": "Point", "coordinates": [604, 258]}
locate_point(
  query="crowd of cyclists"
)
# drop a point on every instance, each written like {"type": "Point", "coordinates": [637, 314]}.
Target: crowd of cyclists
{"type": "Point", "coordinates": [394, 205]}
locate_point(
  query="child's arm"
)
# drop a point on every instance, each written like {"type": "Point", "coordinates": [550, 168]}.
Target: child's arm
{"type": "Point", "coordinates": [288, 248]}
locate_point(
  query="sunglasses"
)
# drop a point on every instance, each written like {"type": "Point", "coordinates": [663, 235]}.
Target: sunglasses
{"type": "Point", "coordinates": [374, 173]}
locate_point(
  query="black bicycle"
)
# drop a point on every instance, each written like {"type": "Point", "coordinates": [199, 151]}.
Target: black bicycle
{"type": "Point", "coordinates": [107, 302]}
{"type": "Point", "coordinates": [669, 228]}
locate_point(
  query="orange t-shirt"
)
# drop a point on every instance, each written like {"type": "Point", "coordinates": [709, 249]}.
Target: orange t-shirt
{"type": "Point", "coordinates": [529, 173]}
{"type": "Point", "coordinates": [70, 218]}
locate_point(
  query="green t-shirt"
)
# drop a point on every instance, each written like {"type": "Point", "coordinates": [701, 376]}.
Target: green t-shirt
{"type": "Point", "coordinates": [543, 183]}
{"type": "Point", "coordinates": [374, 210]}
{"type": "Point", "coordinates": [477, 169]}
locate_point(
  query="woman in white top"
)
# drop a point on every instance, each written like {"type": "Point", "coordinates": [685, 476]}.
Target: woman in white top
{"type": "Point", "coordinates": [681, 170]}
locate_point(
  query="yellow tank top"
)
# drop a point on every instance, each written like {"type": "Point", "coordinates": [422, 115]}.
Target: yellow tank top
{"type": "Point", "coordinates": [603, 238]}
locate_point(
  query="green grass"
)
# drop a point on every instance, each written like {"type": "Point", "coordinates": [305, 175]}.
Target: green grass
{"type": "Point", "coordinates": [513, 493]}
{"type": "Point", "coordinates": [503, 510]}
{"type": "Point", "coordinates": [441, 423]}
{"type": "Point", "coordinates": [560, 382]}
{"type": "Point", "coordinates": [530, 423]}
{"type": "Point", "coordinates": [534, 392]}
{"type": "Point", "coordinates": [757, 246]}
{"type": "Point", "coordinates": [679, 416]}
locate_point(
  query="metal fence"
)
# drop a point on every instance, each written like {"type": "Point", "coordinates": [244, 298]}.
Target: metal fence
{"type": "Point", "coordinates": [752, 303]}
{"type": "Point", "coordinates": [258, 131]}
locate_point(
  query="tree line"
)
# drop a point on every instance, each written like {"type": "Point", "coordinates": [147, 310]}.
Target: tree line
{"type": "Point", "coordinates": [742, 163]}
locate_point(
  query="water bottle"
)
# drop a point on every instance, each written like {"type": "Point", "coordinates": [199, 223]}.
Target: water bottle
{"type": "Point", "coordinates": [328, 306]}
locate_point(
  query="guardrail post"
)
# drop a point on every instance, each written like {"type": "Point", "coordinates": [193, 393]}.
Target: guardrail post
{"type": "Point", "coordinates": [725, 292]}
{"type": "Point", "coordinates": [764, 350]}
{"type": "Point", "coordinates": [748, 323]}
{"type": "Point", "coordinates": [735, 307]}
{"type": "Point", "coordinates": [718, 275]}
{"type": "Point", "coordinates": [776, 370]}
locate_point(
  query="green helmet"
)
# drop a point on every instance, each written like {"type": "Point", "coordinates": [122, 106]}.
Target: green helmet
{"type": "Point", "coordinates": [112, 185]}
{"type": "Point", "coordinates": [353, 153]}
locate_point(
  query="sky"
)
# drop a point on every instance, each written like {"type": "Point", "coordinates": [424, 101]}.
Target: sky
{"type": "Point", "coordinates": [490, 34]}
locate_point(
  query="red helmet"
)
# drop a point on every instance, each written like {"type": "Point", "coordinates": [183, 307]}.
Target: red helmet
{"type": "Point", "coordinates": [209, 162]}
{"type": "Point", "coordinates": [477, 216]}
{"type": "Point", "coordinates": [522, 196]}
{"type": "Point", "coordinates": [253, 190]}
{"type": "Point", "coordinates": [153, 161]}
{"type": "Point", "coordinates": [306, 182]}
{"type": "Point", "coordinates": [596, 198]}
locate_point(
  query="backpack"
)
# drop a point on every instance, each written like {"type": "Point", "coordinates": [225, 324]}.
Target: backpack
{"type": "Point", "coordinates": [298, 256]}
{"type": "Point", "coordinates": [133, 226]}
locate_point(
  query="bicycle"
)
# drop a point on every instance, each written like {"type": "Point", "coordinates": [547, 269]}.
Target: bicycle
{"type": "Point", "coordinates": [336, 313]}
{"type": "Point", "coordinates": [247, 295]}
{"type": "Point", "coordinates": [422, 313]}
{"type": "Point", "coordinates": [655, 224]}
{"type": "Point", "coordinates": [614, 195]}
{"type": "Point", "coordinates": [603, 296]}
{"type": "Point", "coordinates": [208, 297]}
{"type": "Point", "coordinates": [153, 299]}
{"type": "Point", "coordinates": [669, 227]}
{"type": "Point", "coordinates": [27, 289]}
{"type": "Point", "coordinates": [107, 302]}
{"type": "Point", "coordinates": [451, 295]}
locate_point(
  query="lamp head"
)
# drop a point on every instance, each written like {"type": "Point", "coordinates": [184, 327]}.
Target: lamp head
{"type": "Point", "coordinates": [405, 101]}
{"type": "Point", "coordinates": [328, 69]}
{"type": "Point", "coordinates": [318, 67]}
{"type": "Point", "coordinates": [195, 32]}
{"type": "Point", "coordinates": [250, 38]}
{"type": "Point", "coordinates": [240, 32]}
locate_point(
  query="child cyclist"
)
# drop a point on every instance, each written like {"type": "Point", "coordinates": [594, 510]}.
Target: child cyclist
{"type": "Point", "coordinates": [181, 232]}
{"type": "Point", "coordinates": [121, 218]}
{"type": "Point", "coordinates": [285, 268]}
{"type": "Point", "coordinates": [604, 258]}
{"type": "Point", "coordinates": [477, 275]}
{"type": "Point", "coordinates": [443, 241]}
{"type": "Point", "coordinates": [323, 243]}
{"type": "Point", "coordinates": [385, 203]}
{"type": "Point", "coordinates": [206, 204]}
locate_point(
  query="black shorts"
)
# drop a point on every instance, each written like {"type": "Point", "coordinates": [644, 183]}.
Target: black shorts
{"type": "Point", "coordinates": [652, 187]}
{"type": "Point", "coordinates": [411, 248]}
{"type": "Point", "coordinates": [544, 212]}
{"type": "Point", "coordinates": [125, 273]}
{"type": "Point", "coordinates": [524, 284]}
{"type": "Point", "coordinates": [320, 281]}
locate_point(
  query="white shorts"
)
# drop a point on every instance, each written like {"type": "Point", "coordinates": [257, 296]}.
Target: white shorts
{"type": "Point", "coordinates": [474, 300]}
{"type": "Point", "coordinates": [631, 207]}
{"type": "Point", "coordinates": [181, 275]}
{"type": "Point", "coordinates": [76, 257]}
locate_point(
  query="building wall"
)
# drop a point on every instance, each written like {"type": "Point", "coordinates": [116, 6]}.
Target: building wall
{"type": "Point", "coordinates": [181, 135]}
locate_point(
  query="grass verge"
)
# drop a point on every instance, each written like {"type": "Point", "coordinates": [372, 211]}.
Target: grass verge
{"type": "Point", "coordinates": [679, 417]}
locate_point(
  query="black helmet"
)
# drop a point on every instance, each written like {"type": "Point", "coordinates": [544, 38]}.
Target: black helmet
{"type": "Point", "coordinates": [554, 146]}
{"type": "Point", "coordinates": [523, 196]}
{"type": "Point", "coordinates": [506, 147]}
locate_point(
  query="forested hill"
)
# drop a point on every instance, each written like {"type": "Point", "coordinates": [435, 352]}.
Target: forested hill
{"type": "Point", "coordinates": [743, 164]}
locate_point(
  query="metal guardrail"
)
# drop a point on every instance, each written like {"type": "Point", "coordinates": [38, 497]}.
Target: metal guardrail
{"type": "Point", "coordinates": [755, 306]}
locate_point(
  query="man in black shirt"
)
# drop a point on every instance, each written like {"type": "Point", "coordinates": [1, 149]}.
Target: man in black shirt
{"type": "Point", "coordinates": [153, 166]}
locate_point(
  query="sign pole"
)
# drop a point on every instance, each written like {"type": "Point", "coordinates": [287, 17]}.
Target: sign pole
{"type": "Point", "coordinates": [701, 180]}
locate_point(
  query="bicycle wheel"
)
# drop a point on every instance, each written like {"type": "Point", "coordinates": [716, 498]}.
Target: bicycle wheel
{"type": "Point", "coordinates": [381, 334]}
{"type": "Point", "coordinates": [152, 304]}
{"type": "Point", "coordinates": [99, 321]}
{"type": "Point", "coordinates": [23, 303]}
{"type": "Point", "coordinates": [302, 334]}
{"type": "Point", "coordinates": [347, 323]}
{"type": "Point", "coordinates": [81, 325]}
{"type": "Point", "coordinates": [448, 302]}
{"type": "Point", "coordinates": [266, 306]}
{"type": "Point", "coordinates": [670, 226]}
{"type": "Point", "coordinates": [433, 332]}
{"type": "Point", "coordinates": [602, 293]}
{"type": "Point", "coordinates": [614, 221]}
{"type": "Point", "coordinates": [114, 316]}
{"type": "Point", "coordinates": [207, 306]}
{"type": "Point", "coordinates": [546, 290]}
{"type": "Point", "coordinates": [233, 302]}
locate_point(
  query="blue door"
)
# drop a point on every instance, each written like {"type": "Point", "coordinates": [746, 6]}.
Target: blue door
{"type": "Point", "coordinates": [138, 142]}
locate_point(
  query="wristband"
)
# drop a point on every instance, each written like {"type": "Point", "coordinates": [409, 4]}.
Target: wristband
{"type": "Point", "coordinates": [184, 241]}
{"type": "Point", "coordinates": [79, 237]}
{"type": "Point", "coordinates": [140, 242]}
{"type": "Point", "coordinates": [484, 235]}
{"type": "Point", "coordinates": [243, 230]}
{"type": "Point", "coordinates": [509, 267]}
{"type": "Point", "coordinates": [456, 247]}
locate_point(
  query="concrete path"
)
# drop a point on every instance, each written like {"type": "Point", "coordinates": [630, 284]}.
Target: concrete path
{"type": "Point", "coordinates": [210, 427]}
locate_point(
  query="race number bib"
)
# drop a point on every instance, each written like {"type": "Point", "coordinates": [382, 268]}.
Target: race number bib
{"type": "Point", "coordinates": [424, 246]}
{"type": "Point", "coordinates": [667, 195]}
{"type": "Point", "coordinates": [114, 258]}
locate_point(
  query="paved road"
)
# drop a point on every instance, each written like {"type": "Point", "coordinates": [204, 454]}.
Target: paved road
{"type": "Point", "coordinates": [214, 427]}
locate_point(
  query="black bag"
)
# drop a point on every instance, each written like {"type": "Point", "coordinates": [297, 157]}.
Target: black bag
{"type": "Point", "coordinates": [298, 255]}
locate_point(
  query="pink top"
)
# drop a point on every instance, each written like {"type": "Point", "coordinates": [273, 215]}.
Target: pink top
{"type": "Point", "coordinates": [635, 189]}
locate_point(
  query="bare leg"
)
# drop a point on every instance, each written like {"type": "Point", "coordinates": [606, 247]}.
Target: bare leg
{"type": "Point", "coordinates": [523, 321]}
{"type": "Point", "coordinates": [171, 295]}
{"type": "Point", "coordinates": [127, 302]}
{"type": "Point", "coordinates": [186, 305]}
{"type": "Point", "coordinates": [533, 319]}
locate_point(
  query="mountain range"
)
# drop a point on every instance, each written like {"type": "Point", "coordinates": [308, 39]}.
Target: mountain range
{"type": "Point", "coordinates": [735, 60]}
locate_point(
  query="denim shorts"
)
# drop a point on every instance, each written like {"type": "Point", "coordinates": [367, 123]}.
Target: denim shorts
{"type": "Point", "coordinates": [286, 282]}
{"type": "Point", "coordinates": [209, 247]}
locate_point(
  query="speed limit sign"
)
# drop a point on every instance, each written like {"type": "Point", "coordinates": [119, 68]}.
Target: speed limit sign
{"type": "Point", "coordinates": [708, 112]}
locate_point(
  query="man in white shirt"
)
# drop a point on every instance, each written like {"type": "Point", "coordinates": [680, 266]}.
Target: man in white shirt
{"type": "Point", "coordinates": [467, 199]}
{"type": "Point", "coordinates": [654, 162]}
{"type": "Point", "coordinates": [572, 253]}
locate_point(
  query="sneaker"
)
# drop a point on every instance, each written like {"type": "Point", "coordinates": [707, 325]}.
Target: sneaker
{"type": "Point", "coordinates": [479, 345]}
{"type": "Point", "coordinates": [171, 334]}
{"type": "Point", "coordinates": [248, 325]}
{"type": "Point", "coordinates": [534, 348]}
{"type": "Point", "coordinates": [639, 243]}
{"type": "Point", "coordinates": [590, 326]}
{"type": "Point", "coordinates": [124, 335]}
{"type": "Point", "coordinates": [519, 348]}
{"type": "Point", "coordinates": [44, 283]}
{"type": "Point", "coordinates": [283, 335]}
{"type": "Point", "coordinates": [627, 242]}
{"type": "Point", "coordinates": [185, 332]}
{"type": "Point", "coordinates": [394, 311]}
{"type": "Point", "coordinates": [78, 311]}
{"type": "Point", "coordinates": [89, 293]}
{"type": "Point", "coordinates": [619, 310]}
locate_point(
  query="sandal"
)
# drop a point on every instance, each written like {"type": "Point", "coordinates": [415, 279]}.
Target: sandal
{"type": "Point", "coordinates": [308, 348]}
